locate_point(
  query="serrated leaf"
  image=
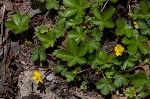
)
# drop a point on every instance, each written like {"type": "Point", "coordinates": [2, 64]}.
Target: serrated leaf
{"type": "Point", "coordinates": [69, 12]}
{"type": "Point", "coordinates": [48, 39]}
{"type": "Point", "coordinates": [129, 63]}
{"type": "Point", "coordinates": [103, 60]}
{"type": "Point", "coordinates": [70, 3]}
{"type": "Point", "coordinates": [120, 80]}
{"type": "Point", "coordinates": [70, 77]}
{"type": "Point", "coordinates": [18, 23]}
{"type": "Point", "coordinates": [63, 55]}
{"type": "Point", "coordinates": [75, 6]}
{"type": "Point", "coordinates": [82, 51]}
{"type": "Point", "coordinates": [144, 6]}
{"type": "Point", "coordinates": [139, 80]}
{"type": "Point", "coordinates": [142, 25]}
{"type": "Point", "coordinates": [79, 35]}
{"type": "Point", "coordinates": [108, 13]}
{"type": "Point", "coordinates": [123, 28]}
{"type": "Point", "coordinates": [136, 43]}
{"type": "Point", "coordinates": [52, 4]}
{"type": "Point", "coordinates": [39, 53]}
{"type": "Point", "coordinates": [104, 86]}
{"type": "Point", "coordinates": [72, 46]}
{"type": "Point", "coordinates": [58, 68]}
{"type": "Point", "coordinates": [103, 19]}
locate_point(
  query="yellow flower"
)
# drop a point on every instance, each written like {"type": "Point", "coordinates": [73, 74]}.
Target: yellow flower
{"type": "Point", "coordinates": [37, 77]}
{"type": "Point", "coordinates": [135, 25]}
{"type": "Point", "coordinates": [119, 50]}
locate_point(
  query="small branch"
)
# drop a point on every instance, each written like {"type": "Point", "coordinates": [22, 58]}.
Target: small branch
{"type": "Point", "coordinates": [104, 5]}
{"type": "Point", "coordinates": [2, 24]}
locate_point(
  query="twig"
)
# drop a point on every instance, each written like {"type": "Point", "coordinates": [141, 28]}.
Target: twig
{"type": "Point", "coordinates": [104, 5]}
{"type": "Point", "coordinates": [2, 26]}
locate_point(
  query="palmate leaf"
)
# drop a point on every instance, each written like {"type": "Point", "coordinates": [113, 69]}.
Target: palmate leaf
{"type": "Point", "coordinates": [103, 60]}
{"type": "Point", "coordinates": [79, 34]}
{"type": "Point", "coordinates": [91, 45]}
{"type": "Point", "coordinates": [139, 80]}
{"type": "Point", "coordinates": [52, 4]}
{"type": "Point", "coordinates": [144, 6]}
{"type": "Point", "coordinates": [120, 80]}
{"type": "Point", "coordinates": [136, 43]}
{"type": "Point", "coordinates": [48, 39]}
{"type": "Point", "coordinates": [74, 7]}
{"type": "Point", "coordinates": [18, 23]}
{"type": "Point", "coordinates": [39, 53]}
{"type": "Point", "coordinates": [74, 53]}
{"type": "Point", "coordinates": [104, 86]}
{"type": "Point", "coordinates": [144, 28]}
{"type": "Point", "coordinates": [103, 19]}
{"type": "Point", "coordinates": [129, 63]}
{"type": "Point", "coordinates": [123, 28]}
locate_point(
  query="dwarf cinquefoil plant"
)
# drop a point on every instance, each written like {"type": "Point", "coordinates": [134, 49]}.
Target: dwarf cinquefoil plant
{"type": "Point", "coordinates": [77, 42]}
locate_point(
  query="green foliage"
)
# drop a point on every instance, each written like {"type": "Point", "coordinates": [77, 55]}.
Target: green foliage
{"type": "Point", "coordinates": [102, 60]}
{"type": "Point", "coordinates": [52, 4]}
{"type": "Point", "coordinates": [123, 28]}
{"type": "Point", "coordinates": [143, 13]}
{"type": "Point", "coordinates": [74, 7]}
{"type": "Point", "coordinates": [74, 53]}
{"type": "Point", "coordinates": [39, 54]}
{"type": "Point", "coordinates": [79, 34]}
{"type": "Point", "coordinates": [105, 86]}
{"type": "Point", "coordinates": [145, 29]}
{"type": "Point", "coordinates": [18, 23]}
{"type": "Point", "coordinates": [120, 80]}
{"type": "Point", "coordinates": [48, 39]}
{"type": "Point", "coordinates": [103, 19]}
{"type": "Point", "coordinates": [130, 92]}
{"type": "Point", "coordinates": [136, 43]}
{"type": "Point", "coordinates": [78, 37]}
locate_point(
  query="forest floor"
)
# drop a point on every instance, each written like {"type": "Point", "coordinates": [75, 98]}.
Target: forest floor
{"type": "Point", "coordinates": [17, 67]}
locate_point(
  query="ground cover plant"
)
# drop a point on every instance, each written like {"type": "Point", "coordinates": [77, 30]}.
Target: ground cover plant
{"type": "Point", "coordinates": [95, 44]}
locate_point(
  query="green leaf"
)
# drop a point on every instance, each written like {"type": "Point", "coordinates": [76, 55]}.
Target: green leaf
{"type": "Point", "coordinates": [108, 13]}
{"type": "Point", "coordinates": [79, 35]}
{"type": "Point", "coordinates": [139, 80]}
{"type": "Point", "coordinates": [104, 86]}
{"type": "Point", "coordinates": [129, 63]}
{"type": "Point", "coordinates": [103, 60]}
{"type": "Point", "coordinates": [39, 53]}
{"type": "Point", "coordinates": [74, 6]}
{"type": "Point", "coordinates": [142, 25]}
{"type": "Point", "coordinates": [18, 23]}
{"type": "Point", "coordinates": [63, 55]}
{"type": "Point", "coordinates": [136, 43]}
{"type": "Point", "coordinates": [41, 29]}
{"type": "Point", "coordinates": [72, 46]}
{"type": "Point", "coordinates": [74, 22]}
{"type": "Point", "coordinates": [58, 68]}
{"type": "Point", "coordinates": [69, 12]}
{"type": "Point", "coordinates": [144, 28]}
{"type": "Point", "coordinates": [91, 45]}
{"type": "Point", "coordinates": [69, 75]}
{"type": "Point", "coordinates": [120, 80]}
{"type": "Point", "coordinates": [144, 6]}
{"type": "Point", "coordinates": [52, 4]}
{"type": "Point", "coordinates": [82, 51]}
{"type": "Point", "coordinates": [48, 39]}
{"type": "Point", "coordinates": [103, 19]}
{"type": "Point", "coordinates": [130, 92]}
{"type": "Point", "coordinates": [70, 3]}
{"type": "Point", "coordinates": [123, 28]}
